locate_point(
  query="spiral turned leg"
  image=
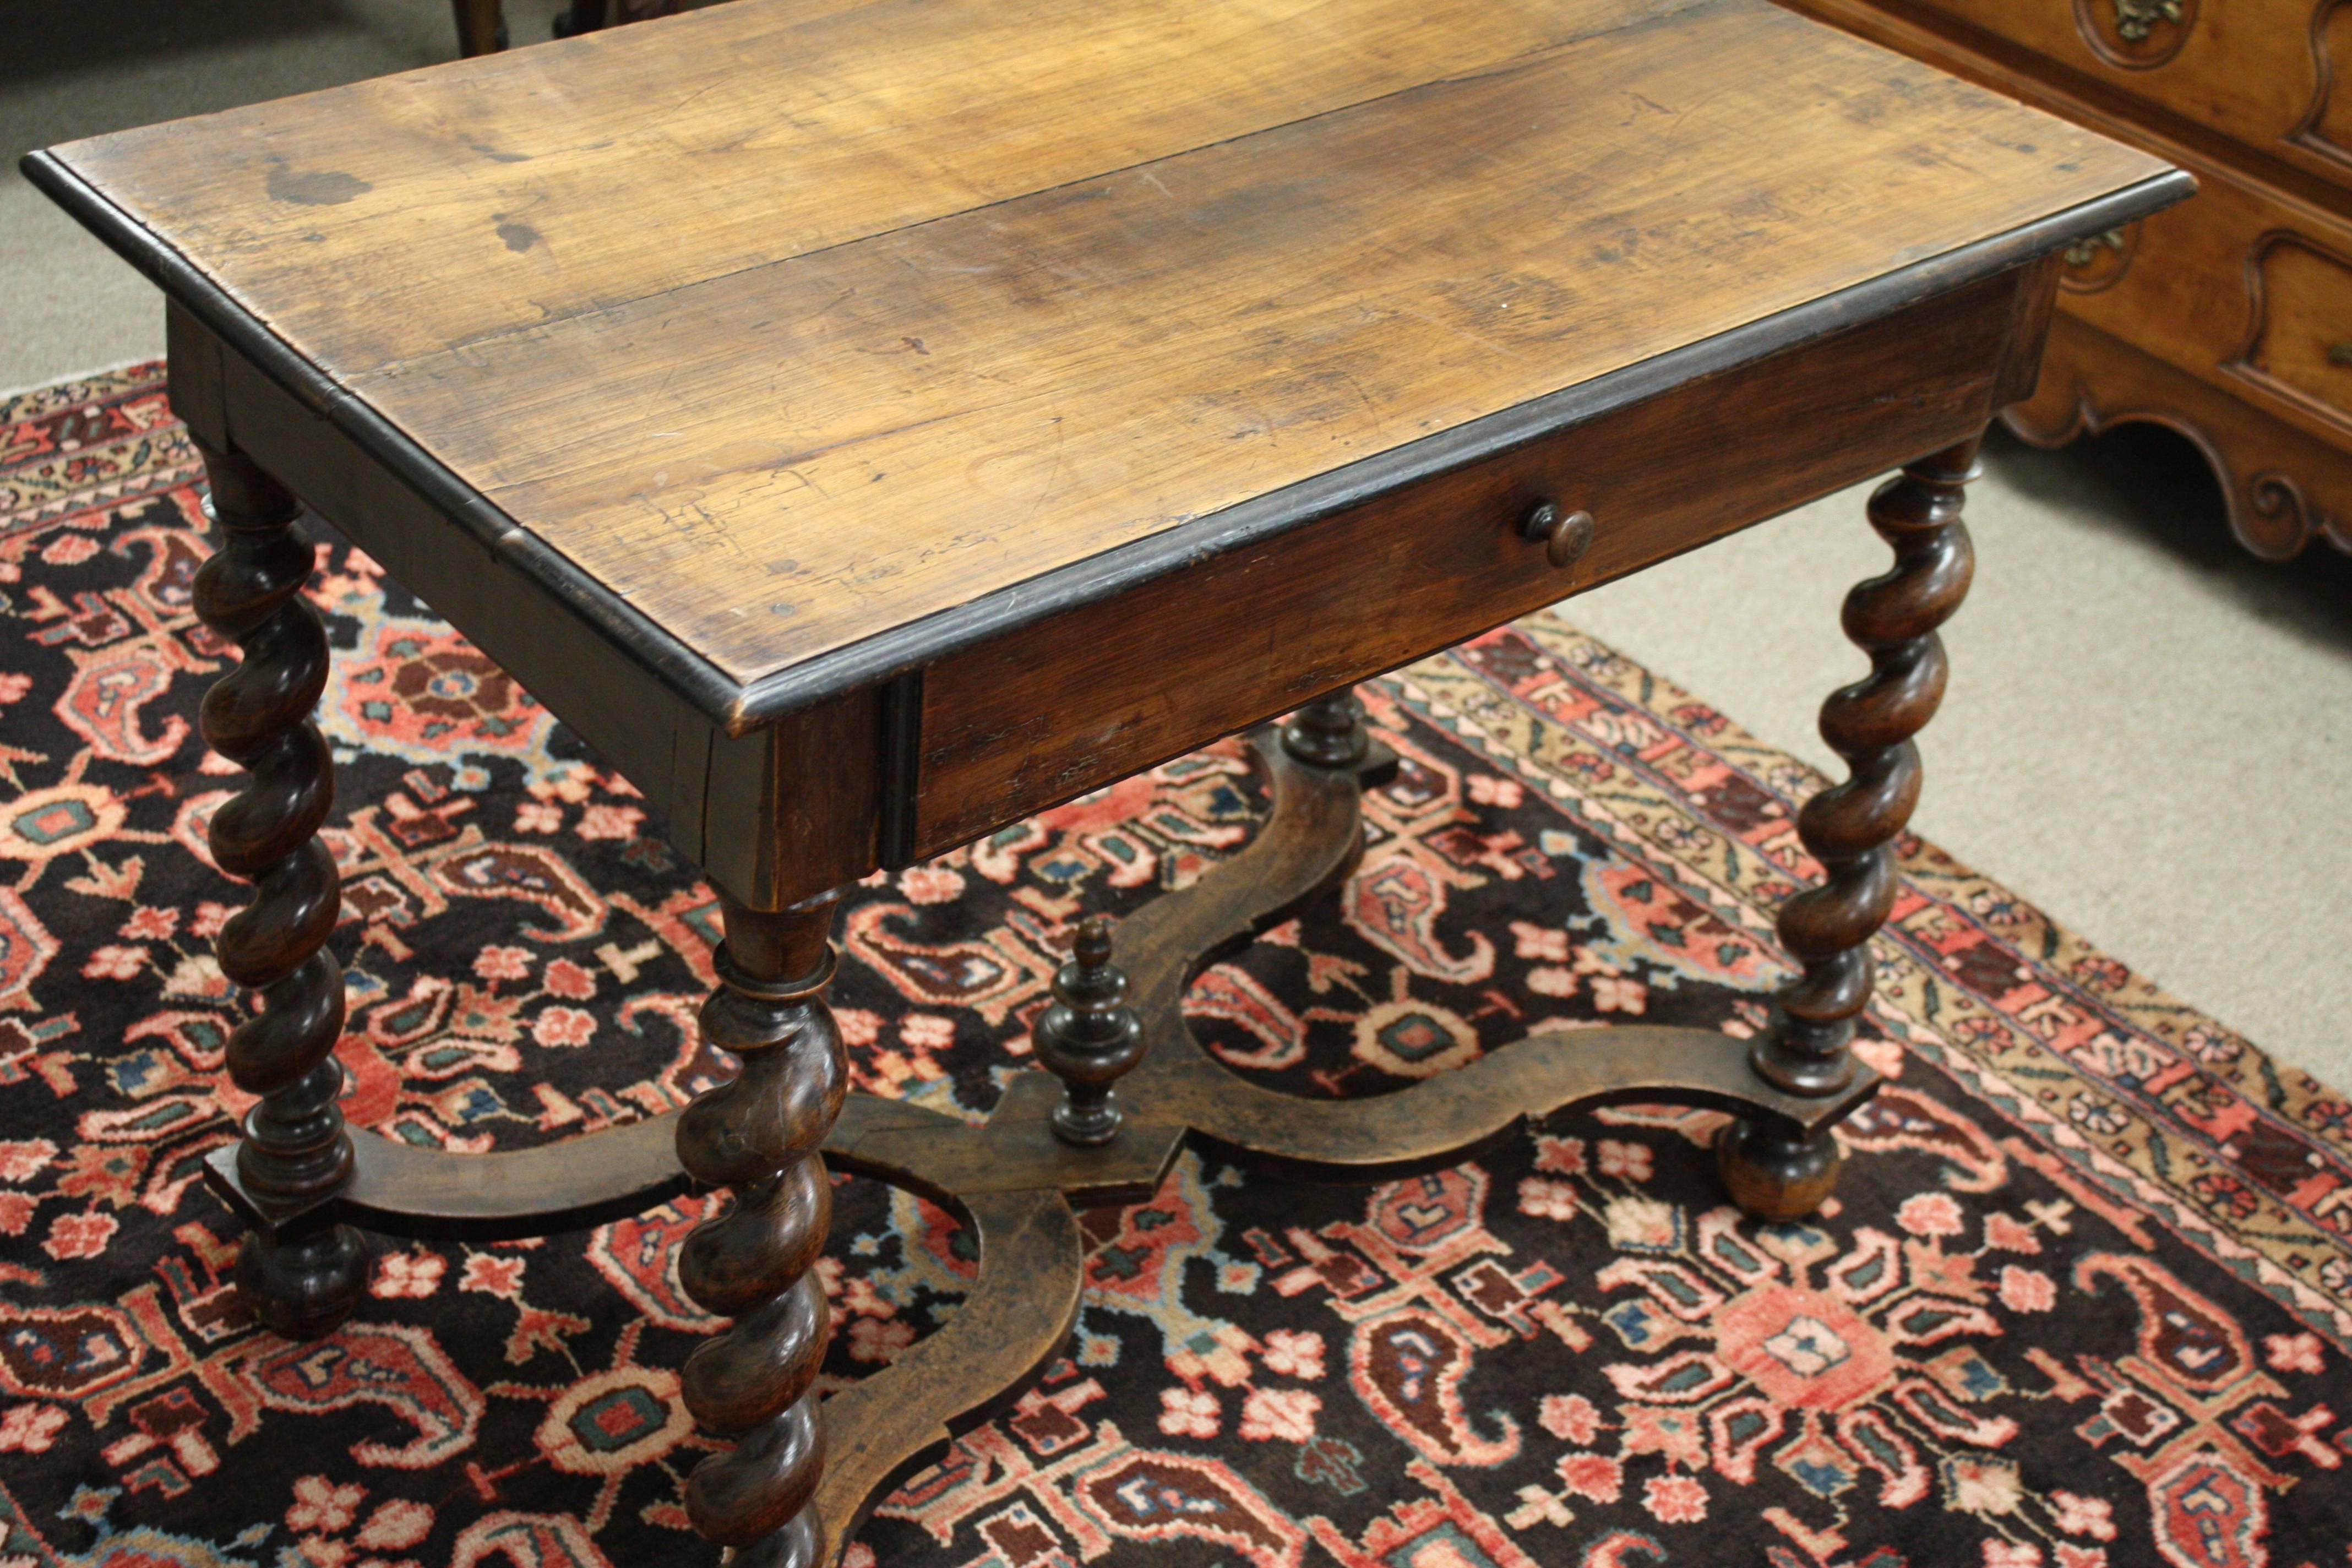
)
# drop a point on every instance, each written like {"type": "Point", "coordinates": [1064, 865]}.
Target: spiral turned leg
{"type": "Point", "coordinates": [1850, 827]}
{"type": "Point", "coordinates": [304, 1276]}
{"type": "Point", "coordinates": [759, 1135]}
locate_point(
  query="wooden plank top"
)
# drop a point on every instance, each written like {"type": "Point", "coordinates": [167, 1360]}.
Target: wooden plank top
{"type": "Point", "coordinates": [797, 323]}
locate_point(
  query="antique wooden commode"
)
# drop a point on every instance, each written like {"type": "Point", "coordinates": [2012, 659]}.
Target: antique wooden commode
{"type": "Point", "coordinates": [870, 424]}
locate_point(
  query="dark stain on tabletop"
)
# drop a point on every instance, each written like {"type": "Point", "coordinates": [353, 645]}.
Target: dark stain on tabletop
{"type": "Point", "coordinates": [314, 187]}
{"type": "Point", "coordinates": [519, 237]}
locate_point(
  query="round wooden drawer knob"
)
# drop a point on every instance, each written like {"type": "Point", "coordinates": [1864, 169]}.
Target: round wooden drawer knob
{"type": "Point", "coordinates": [1565, 536]}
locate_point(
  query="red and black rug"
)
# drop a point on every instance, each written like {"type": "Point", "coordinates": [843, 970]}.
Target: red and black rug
{"type": "Point", "coordinates": [2085, 1297]}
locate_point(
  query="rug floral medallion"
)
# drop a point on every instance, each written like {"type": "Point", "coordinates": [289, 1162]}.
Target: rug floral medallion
{"type": "Point", "coordinates": [2084, 1301]}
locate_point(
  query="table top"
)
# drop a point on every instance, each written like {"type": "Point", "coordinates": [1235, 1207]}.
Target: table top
{"type": "Point", "coordinates": [802, 326]}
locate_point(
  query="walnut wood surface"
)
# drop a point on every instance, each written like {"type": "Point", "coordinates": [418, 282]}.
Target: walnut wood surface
{"type": "Point", "coordinates": [1850, 827]}
{"type": "Point", "coordinates": [1088, 1037]}
{"type": "Point", "coordinates": [2189, 287]}
{"type": "Point", "coordinates": [2246, 289]}
{"type": "Point", "coordinates": [1006, 1332]}
{"type": "Point", "coordinates": [2267, 73]}
{"type": "Point", "coordinates": [784, 811]}
{"type": "Point", "coordinates": [1013, 1181]}
{"type": "Point", "coordinates": [481, 25]}
{"type": "Point", "coordinates": [1310, 840]}
{"type": "Point", "coordinates": [729, 801]}
{"type": "Point", "coordinates": [970, 298]}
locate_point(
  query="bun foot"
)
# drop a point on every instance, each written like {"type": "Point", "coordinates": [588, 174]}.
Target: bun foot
{"type": "Point", "coordinates": [303, 1288]}
{"type": "Point", "coordinates": [1774, 1176]}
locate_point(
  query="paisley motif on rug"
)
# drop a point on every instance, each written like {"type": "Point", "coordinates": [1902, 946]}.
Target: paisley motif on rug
{"type": "Point", "coordinates": [2084, 1298]}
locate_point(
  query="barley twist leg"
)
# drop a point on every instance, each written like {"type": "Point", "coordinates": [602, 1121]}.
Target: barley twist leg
{"type": "Point", "coordinates": [1850, 827]}
{"type": "Point", "coordinates": [760, 1135]}
{"type": "Point", "coordinates": [304, 1277]}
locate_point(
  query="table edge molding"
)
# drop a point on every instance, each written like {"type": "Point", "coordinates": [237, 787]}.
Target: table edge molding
{"type": "Point", "coordinates": [1130, 565]}
{"type": "Point", "coordinates": [741, 707]}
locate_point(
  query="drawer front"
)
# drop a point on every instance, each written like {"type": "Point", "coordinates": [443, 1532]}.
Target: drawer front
{"type": "Point", "coordinates": [2239, 286]}
{"type": "Point", "coordinates": [1048, 713]}
{"type": "Point", "coordinates": [2300, 347]}
{"type": "Point", "coordinates": [2268, 73]}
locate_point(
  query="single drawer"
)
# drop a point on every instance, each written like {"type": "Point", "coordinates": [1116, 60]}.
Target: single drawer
{"type": "Point", "coordinates": [2258, 71]}
{"type": "Point", "coordinates": [1094, 694]}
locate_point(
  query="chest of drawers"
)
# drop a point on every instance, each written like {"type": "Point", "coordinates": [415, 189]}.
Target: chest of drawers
{"type": "Point", "coordinates": [2228, 318]}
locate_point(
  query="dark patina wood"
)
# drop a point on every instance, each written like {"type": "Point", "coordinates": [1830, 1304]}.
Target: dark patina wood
{"type": "Point", "coordinates": [1331, 733]}
{"type": "Point", "coordinates": [1089, 1037]}
{"type": "Point", "coordinates": [1258, 628]}
{"type": "Point", "coordinates": [950, 213]}
{"type": "Point", "coordinates": [1850, 827]}
{"type": "Point", "coordinates": [481, 26]}
{"type": "Point", "coordinates": [1310, 841]}
{"type": "Point", "coordinates": [1017, 1182]}
{"type": "Point", "coordinates": [302, 1271]}
{"type": "Point", "coordinates": [759, 1134]}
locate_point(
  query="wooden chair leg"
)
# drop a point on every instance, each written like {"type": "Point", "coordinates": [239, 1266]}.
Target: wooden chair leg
{"type": "Point", "coordinates": [580, 16]}
{"type": "Point", "coordinates": [299, 1279]}
{"type": "Point", "coordinates": [481, 26]}
{"type": "Point", "coordinates": [1850, 827]}
{"type": "Point", "coordinates": [760, 1135]}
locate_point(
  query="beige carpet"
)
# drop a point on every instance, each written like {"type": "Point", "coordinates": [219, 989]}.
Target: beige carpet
{"type": "Point", "coordinates": [2149, 732]}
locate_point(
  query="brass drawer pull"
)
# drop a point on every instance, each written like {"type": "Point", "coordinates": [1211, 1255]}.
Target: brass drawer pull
{"type": "Point", "coordinates": [1565, 536]}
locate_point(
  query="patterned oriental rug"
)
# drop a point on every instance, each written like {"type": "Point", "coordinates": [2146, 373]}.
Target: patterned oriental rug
{"type": "Point", "coordinates": [2085, 1298]}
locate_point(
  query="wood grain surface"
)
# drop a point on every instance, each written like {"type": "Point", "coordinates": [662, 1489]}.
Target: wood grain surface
{"type": "Point", "coordinates": [794, 323]}
{"type": "Point", "coordinates": [2269, 75]}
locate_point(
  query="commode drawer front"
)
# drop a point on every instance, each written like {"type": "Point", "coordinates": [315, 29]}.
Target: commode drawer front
{"type": "Point", "coordinates": [2241, 288]}
{"type": "Point", "coordinates": [2255, 70]}
{"type": "Point", "coordinates": [2300, 346]}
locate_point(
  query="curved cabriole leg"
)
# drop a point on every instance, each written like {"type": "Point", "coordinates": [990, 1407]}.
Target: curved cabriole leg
{"type": "Point", "coordinates": [301, 1278]}
{"type": "Point", "coordinates": [1850, 827]}
{"type": "Point", "coordinates": [760, 1135]}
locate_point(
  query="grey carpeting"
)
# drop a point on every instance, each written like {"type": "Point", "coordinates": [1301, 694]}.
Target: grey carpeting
{"type": "Point", "coordinates": [2149, 732]}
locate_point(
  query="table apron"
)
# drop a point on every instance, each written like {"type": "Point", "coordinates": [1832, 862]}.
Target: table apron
{"type": "Point", "coordinates": [720, 796]}
{"type": "Point", "coordinates": [1047, 712]}
{"type": "Point", "coordinates": [936, 757]}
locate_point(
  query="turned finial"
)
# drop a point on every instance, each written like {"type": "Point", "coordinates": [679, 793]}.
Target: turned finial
{"type": "Point", "coordinates": [1089, 1037]}
{"type": "Point", "coordinates": [1330, 731]}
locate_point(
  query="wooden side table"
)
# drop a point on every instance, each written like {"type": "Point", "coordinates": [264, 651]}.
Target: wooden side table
{"type": "Point", "coordinates": [867, 428]}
